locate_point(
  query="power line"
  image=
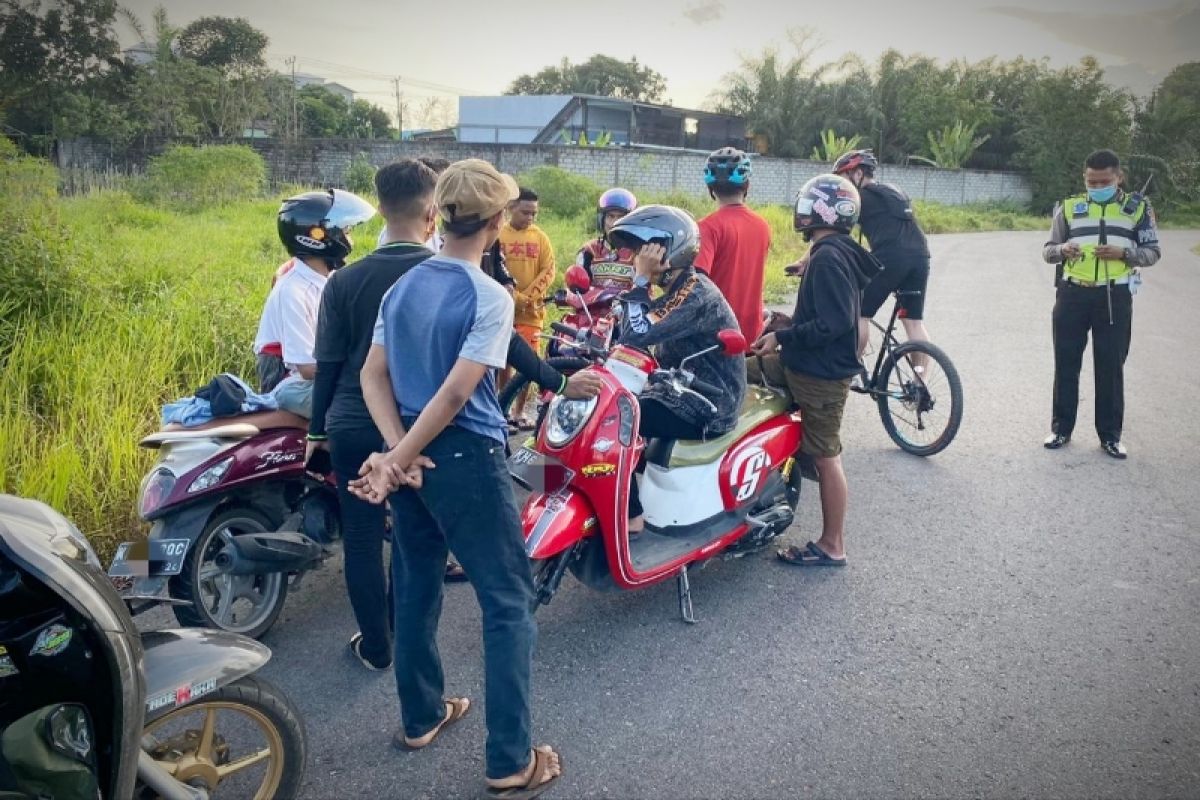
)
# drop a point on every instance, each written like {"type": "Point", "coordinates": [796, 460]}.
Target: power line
{"type": "Point", "coordinates": [365, 74]}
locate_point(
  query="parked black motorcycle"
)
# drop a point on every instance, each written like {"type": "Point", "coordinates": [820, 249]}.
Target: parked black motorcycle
{"type": "Point", "coordinates": [91, 708]}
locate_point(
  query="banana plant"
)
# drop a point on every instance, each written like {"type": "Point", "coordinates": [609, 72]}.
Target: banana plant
{"type": "Point", "coordinates": [952, 146]}
{"type": "Point", "coordinates": [832, 145]}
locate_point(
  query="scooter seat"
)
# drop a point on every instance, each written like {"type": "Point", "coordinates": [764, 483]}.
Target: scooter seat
{"type": "Point", "coordinates": [759, 406]}
{"type": "Point", "coordinates": [234, 432]}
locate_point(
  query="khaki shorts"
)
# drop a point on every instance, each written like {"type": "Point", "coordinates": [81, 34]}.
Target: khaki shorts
{"type": "Point", "coordinates": [821, 403]}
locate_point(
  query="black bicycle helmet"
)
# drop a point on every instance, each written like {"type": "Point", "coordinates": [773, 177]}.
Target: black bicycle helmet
{"type": "Point", "coordinates": [316, 223]}
{"type": "Point", "coordinates": [727, 168]}
{"type": "Point", "coordinates": [671, 227]}
{"type": "Point", "coordinates": [827, 201]}
{"type": "Point", "coordinates": [856, 159]}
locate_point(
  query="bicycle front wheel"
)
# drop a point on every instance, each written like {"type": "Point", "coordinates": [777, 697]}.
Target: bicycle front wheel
{"type": "Point", "coordinates": [920, 398]}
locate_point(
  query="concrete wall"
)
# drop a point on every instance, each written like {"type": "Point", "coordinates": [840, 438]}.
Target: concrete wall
{"type": "Point", "coordinates": [324, 162]}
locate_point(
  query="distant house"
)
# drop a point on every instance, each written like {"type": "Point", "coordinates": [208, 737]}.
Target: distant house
{"type": "Point", "coordinates": [343, 92]}
{"type": "Point", "coordinates": [140, 54]}
{"type": "Point", "coordinates": [561, 119]}
{"type": "Point", "coordinates": [309, 79]}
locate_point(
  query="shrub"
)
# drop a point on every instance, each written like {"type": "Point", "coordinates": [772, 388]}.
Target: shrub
{"type": "Point", "coordinates": [199, 177]}
{"type": "Point", "coordinates": [360, 176]}
{"type": "Point", "coordinates": [35, 270]}
{"type": "Point", "coordinates": [563, 192]}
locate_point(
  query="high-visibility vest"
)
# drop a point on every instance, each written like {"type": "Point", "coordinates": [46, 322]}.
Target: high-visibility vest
{"type": "Point", "coordinates": [1092, 224]}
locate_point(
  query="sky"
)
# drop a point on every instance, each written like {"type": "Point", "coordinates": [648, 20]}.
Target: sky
{"type": "Point", "coordinates": [442, 49]}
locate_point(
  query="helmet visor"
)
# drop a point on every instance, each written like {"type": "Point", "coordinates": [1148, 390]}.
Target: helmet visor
{"type": "Point", "coordinates": [348, 210]}
{"type": "Point", "coordinates": [634, 236]}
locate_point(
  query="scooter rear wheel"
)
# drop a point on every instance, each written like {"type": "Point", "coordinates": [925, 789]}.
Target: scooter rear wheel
{"type": "Point", "coordinates": [245, 604]}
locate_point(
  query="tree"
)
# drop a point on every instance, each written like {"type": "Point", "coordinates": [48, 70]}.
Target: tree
{"type": "Point", "coordinates": [1064, 116]}
{"type": "Point", "coordinates": [599, 75]}
{"type": "Point", "coordinates": [1167, 141]}
{"type": "Point", "coordinates": [55, 62]}
{"type": "Point", "coordinates": [366, 121]}
{"type": "Point", "coordinates": [230, 45]}
{"type": "Point", "coordinates": [778, 97]}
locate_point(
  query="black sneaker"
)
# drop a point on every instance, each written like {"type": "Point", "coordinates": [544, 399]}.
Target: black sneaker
{"type": "Point", "coordinates": [1114, 449]}
{"type": "Point", "coordinates": [1055, 440]}
{"type": "Point", "coordinates": [356, 650]}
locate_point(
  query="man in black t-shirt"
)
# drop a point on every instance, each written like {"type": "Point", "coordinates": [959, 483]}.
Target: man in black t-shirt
{"type": "Point", "coordinates": [340, 421]}
{"type": "Point", "coordinates": [888, 222]}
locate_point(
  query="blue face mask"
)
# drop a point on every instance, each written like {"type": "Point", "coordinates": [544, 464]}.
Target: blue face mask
{"type": "Point", "coordinates": [1103, 194]}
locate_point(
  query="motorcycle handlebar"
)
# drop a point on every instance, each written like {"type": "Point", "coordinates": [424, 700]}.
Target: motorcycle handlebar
{"type": "Point", "coordinates": [704, 387]}
{"type": "Point", "coordinates": [565, 330]}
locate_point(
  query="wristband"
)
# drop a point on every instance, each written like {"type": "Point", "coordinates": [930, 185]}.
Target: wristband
{"type": "Point", "coordinates": [317, 437]}
{"type": "Point", "coordinates": [563, 387]}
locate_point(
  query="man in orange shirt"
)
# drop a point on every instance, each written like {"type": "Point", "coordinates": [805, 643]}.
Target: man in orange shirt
{"type": "Point", "coordinates": [734, 240]}
{"type": "Point", "coordinates": [530, 260]}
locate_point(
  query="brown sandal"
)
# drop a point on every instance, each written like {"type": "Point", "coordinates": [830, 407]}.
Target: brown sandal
{"type": "Point", "coordinates": [456, 709]}
{"type": "Point", "coordinates": [539, 778]}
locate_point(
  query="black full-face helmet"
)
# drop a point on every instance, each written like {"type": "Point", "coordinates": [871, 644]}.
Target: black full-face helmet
{"type": "Point", "coordinates": [317, 223]}
{"type": "Point", "coordinates": [826, 201]}
{"type": "Point", "coordinates": [671, 227]}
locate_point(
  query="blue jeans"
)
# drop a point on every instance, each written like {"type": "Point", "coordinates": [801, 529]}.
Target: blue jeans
{"type": "Point", "coordinates": [467, 504]}
{"type": "Point", "coordinates": [363, 533]}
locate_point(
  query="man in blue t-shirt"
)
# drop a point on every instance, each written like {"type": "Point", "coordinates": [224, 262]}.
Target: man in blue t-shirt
{"type": "Point", "coordinates": [429, 382]}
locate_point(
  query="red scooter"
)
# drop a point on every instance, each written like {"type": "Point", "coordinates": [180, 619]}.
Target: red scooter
{"type": "Point", "coordinates": [726, 496]}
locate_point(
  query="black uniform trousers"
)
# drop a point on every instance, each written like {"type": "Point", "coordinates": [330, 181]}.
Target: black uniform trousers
{"type": "Point", "coordinates": [1078, 310]}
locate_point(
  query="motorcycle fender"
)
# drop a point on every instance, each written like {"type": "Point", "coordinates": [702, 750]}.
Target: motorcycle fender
{"type": "Point", "coordinates": [552, 523]}
{"type": "Point", "coordinates": [186, 523]}
{"type": "Point", "coordinates": [184, 665]}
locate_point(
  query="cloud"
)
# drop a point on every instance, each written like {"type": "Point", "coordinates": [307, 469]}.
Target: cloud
{"type": "Point", "coordinates": [1157, 40]}
{"type": "Point", "coordinates": [702, 12]}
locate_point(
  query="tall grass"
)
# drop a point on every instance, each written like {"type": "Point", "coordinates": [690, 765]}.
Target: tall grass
{"type": "Point", "coordinates": [161, 301]}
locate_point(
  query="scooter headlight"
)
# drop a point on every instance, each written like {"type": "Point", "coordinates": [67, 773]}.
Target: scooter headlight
{"type": "Point", "coordinates": [566, 418]}
{"type": "Point", "coordinates": [211, 476]}
{"type": "Point", "coordinates": [155, 490]}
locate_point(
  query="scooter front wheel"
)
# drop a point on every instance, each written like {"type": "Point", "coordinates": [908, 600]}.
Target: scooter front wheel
{"type": "Point", "coordinates": [245, 739]}
{"type": "Point", "coordinates": [547, 576]}
{"type": "Point", "coordinates": [245, 604]}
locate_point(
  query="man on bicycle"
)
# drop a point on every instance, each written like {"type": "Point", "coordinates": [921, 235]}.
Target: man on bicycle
{"type": "Point", "coordinates": [819, 350]}
{"type": "Point", "coordinates": [888, 222]}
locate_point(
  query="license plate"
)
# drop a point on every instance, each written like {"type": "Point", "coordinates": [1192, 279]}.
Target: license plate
{"type": "Point", "coordinates": [150, 558]}
{"type": "Point", "coordinates": [539, 472]}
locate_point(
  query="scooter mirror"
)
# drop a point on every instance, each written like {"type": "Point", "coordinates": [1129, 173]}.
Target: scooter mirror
{"type": "Point", "coordinates": [732, 342]}
{"type": "Point", "coordinates": [577, 279]}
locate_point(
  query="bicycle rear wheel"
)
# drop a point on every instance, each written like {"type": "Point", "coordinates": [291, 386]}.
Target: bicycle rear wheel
{"type": "Point", "coordinates": [920, 398]}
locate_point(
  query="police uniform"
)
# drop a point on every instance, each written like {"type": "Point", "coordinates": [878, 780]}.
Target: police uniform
{"type": "Point", "coordinates": [1094, 296]}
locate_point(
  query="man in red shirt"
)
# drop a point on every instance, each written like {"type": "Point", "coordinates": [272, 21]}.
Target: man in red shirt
{"type": "Point", "coordinates": [734, 240]}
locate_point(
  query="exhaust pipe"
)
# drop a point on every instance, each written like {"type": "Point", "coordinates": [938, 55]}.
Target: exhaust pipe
{"type": "Point", "coordinates": [276, 551]}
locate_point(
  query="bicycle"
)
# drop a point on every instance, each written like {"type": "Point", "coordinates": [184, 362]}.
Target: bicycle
{"type": "Point", "coordinates": [909, 390]}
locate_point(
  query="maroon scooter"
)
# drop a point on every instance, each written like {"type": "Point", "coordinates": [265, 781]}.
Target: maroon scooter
{"type": "Point", "coordinates": [236, 520]}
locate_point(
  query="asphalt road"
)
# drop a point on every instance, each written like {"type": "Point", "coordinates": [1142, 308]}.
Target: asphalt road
{"type": "Point", "coordinates": [1013, 622]}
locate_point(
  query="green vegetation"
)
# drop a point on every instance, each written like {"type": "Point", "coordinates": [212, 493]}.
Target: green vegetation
{"type": "Point", "coordinates": [114, 306]}
{"type": "Point", "coordinates": [200, 177]}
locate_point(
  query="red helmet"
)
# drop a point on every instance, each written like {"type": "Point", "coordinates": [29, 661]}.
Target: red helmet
{"type": "Point", "coordinates": [856, 159]}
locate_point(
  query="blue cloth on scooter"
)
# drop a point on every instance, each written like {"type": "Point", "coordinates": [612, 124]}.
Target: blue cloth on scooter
{"type": "Point", "coordinates": [226, 395]}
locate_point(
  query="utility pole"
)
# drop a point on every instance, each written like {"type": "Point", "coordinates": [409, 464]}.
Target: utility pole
{"type": "Point", "coordinates": [291, 62]}
{"type": "Point", "coordinates": [399, 109]}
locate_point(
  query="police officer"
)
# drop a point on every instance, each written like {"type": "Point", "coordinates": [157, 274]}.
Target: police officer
{"type": "Point", "coordinates": [1100, 239]}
